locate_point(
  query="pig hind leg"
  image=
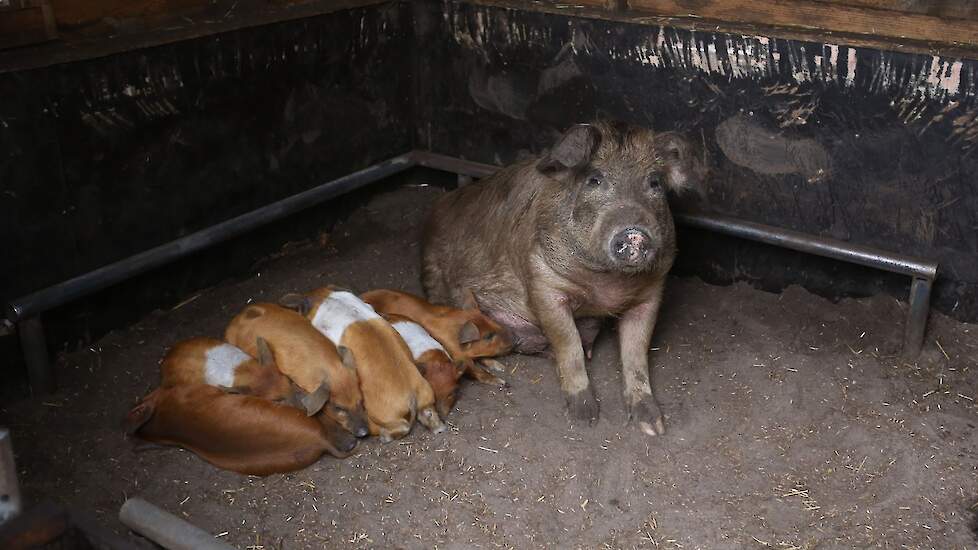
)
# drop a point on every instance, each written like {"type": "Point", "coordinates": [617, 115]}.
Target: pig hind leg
{"type": "Point", "coordinates": [395, 430]}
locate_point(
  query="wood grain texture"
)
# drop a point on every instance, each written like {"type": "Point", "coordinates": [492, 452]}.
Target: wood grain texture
{"type": "Point", "coordinates": [29, 22]}
{"type": "Point", "coordinates": [967, 9]}
{"type": "Point", "coordinates": [823, 16]}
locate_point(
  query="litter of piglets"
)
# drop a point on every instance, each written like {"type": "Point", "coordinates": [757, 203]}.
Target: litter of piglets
{"type": "Point", "coordinates": [310, 375]}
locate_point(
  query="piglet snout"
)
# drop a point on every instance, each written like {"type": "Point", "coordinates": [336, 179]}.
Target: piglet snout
{"type": "Point", "coordinates": [631, 246]}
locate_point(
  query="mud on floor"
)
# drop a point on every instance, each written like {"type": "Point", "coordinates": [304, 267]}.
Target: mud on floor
{"type": "Point", "coordinates": [792, 424]}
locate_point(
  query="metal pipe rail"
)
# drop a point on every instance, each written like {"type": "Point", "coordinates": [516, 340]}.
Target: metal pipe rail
{"type": "Point", "coordinates": [25, 311]}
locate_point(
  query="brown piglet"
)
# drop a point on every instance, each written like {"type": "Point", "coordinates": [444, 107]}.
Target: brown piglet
{"type": "Point", "coordinates": [432, 360]}
{"type": "Point", "coordinates": [465, 332]}
{"type": "Point", "coordinates": [394, 392]}
{"type": "Point", "coordinates": [302, 353]}
{"type": "Point", "coordinates": [211, 361]}
{"type": "Point", "coordinates": [242, 433]}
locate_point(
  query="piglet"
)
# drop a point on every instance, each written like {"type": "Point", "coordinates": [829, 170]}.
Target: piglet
{"type": "Point", "coordinates": [465, 332]}
{"type": "Point", "coordinates": [242, 433]}
{"type": "Point", "coordinates": [211, 361]}
{"type": "Point", "coordinates": [432, 360]}
{"type": "Point", "coordinates": [394, 392]}
{"type": "Point", "coordinates": [303, 354]}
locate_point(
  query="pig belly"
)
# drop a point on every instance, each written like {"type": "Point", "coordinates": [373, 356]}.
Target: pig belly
{"type": "Point", "coordinates": [528, 339]}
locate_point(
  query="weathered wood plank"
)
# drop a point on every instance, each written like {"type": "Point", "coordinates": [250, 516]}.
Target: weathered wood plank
{"type": "Point", "coordinates": [965, 9]}
{"type": "Point", "coordinates": [821, 16]}
{"type": "Point", "coordinates": [27, 23]}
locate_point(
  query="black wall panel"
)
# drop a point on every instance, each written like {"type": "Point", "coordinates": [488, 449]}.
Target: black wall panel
{"type": "Point", "coordinates": [872, 147]}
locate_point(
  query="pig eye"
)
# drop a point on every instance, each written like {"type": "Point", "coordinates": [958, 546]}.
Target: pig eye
{"type": "Point", "coordinates": [655, 181]}
{"type": "Point", "coordinates": [595, 180]}
{"type": "Point", "coordinates": [489, 336]}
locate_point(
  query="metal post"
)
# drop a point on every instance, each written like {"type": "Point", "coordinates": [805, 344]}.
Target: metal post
{"type": "Point", "coordinates": [913, 339]}
{"type": "Point", "coordinates": [9, 489]}
{"type": "Point", "coordinates": [40, 372]}
{"type": "Point", "coordinates": [165, 529]}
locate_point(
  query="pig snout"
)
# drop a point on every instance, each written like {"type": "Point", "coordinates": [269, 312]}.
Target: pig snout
{"type": "Point", "coordinates": [631, 247]}
{"type": "Point", "coordinates": [361, 431]}
{"type": "Point", "coordinates": [346, 443]}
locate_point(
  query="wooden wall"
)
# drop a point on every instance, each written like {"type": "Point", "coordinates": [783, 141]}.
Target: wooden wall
{"type": "Point", "coordinates": [860, 144]}
{"type": "Point", "coordinates": [104, 158]}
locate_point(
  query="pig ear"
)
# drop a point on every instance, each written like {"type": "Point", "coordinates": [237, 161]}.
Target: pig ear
{"type": "Point", "coordinates": [684, 171]}
{"type": "Point", "coordinates": [296, 302]}
{"type": "Point", "coordinates": [460, 368]}
{"type": "Point", "coordinates": [573, 150]}
{"type": "Point", "coordinates": [140, 414]}
{"type": "Point", "coordinates": [346, 356]}
{"type": "Point", "coordinates": [468, 333]}
{"type": "Point", "coordinates": [265, 356]}
{"type": "Point", "coordinates": [313, 402]}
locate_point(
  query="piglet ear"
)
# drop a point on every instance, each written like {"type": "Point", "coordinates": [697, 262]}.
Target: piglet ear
{"type": "Point", "coordinates": [313, 402]}
{"type": "Point", "coordinates": [265, 356]}
{"type": "Point", "coordinates": [468, 333]}
{"type": "Point", "coordinates": [573, 150]}
{"type": "Point", "coordinates": [346, 356]}
{"type": "Point", "coordinates": [296, 302]}
{"type": "Point", "coordinates": [141, 413]}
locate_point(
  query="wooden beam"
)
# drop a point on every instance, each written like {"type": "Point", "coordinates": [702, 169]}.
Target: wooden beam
{"type": "Point", "coordinates": [820, 16]}
{"type": "Point", "coordinates": [29, 22]}
{"type": "Point", "coordinates": [959, 9]}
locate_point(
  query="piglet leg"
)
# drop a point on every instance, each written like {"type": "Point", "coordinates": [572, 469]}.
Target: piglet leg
{"type": "Point", "coordinates": [429, 419]}
{"type": "Point", "coordinates": [634, 335]}
{"type": "Point", "coordinates": [481, 375]}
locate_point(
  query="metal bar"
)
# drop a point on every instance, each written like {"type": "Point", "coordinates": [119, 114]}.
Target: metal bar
{"type": "Point", "coordinates": [455, 165]}
{"type": "Point", "coordinates": [10, 504]}
{"type": "Point", "coordinates": [165, 529]}
{"type": "Point", "coordinates": [40, 372]}
{"type": "Point", "coordinates": [821, 246]}
{"type": "Point", "coordinates": [913, 339]}
{"type": "Point", "coordinates": [103, 277]}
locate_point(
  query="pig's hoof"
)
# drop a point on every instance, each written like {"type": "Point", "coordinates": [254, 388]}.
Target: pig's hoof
{"type": "Point", "coordinates": [648, 415]}
{"type": "Point", "coordinates": [582, 406]}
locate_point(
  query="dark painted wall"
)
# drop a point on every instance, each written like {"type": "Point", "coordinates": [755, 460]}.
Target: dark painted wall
{"type": "Point", "coordinates": [872, 147]}
{"type": "Point", "coordinates": [104, 158]}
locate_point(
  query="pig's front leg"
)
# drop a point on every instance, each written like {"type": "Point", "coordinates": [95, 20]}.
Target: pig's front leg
{"type": "Point", "coordinates": [552, 310]}
{"type": "Point", "coordinates": [634, 335]}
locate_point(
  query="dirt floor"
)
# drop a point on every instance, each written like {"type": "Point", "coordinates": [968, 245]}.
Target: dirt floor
{"type": "Point", "coordinates": [792, 424]}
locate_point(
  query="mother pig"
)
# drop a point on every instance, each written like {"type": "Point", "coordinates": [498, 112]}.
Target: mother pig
{"type": "Point", "coordinates": [552, 245]}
